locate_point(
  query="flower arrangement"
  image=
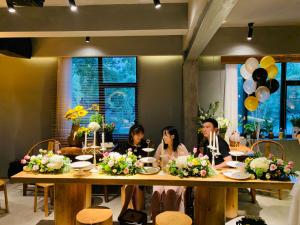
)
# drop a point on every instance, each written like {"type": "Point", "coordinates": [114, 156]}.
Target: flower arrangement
{"type": "Point", "coordinates": [81, 131]}
{"type": "Point", "coordinates": [76, 114]}
{"type": "Point", "coordinates": [204, 114]}
{"type": "Point", "coordinates": [109, 127]}
{"type": "Point", "coordinates": [114, 163]}
{"type": "Point", "coordinates": [46, 162]}
{"type": "Point", "coordinates": [186, 166]}
{"type": "Point", "coordinates": [223, 125]}
{"type": "Point", "coordinates": [271, 168]}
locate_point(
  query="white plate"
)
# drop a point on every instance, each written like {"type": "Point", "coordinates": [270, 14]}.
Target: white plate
{"type": "Point", "coordinates": [237, 175]}
{"type": "Point", "coordinates": [148, 160]}
{"type": "Point", "coordinates": [83, 157]}
{"type": "Point", "coordinates": [80, 164]}
{"type": "Point", "coordinates": [236, 153]}
{"type": "Point", "coordinates": [150, 170]}
{"type": "Point", "coordinates": [235, 164]}
{"type": "Point", "coordinates": [148, 149]}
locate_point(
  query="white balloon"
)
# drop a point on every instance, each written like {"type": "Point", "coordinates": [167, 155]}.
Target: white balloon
{"type": "Point", "coordinates": [245, 74]}
{"type": "Point", "coordinates": [249, 86]}
{"type": "Point", "coordinates": [262, 93]}
{"type": "Point", "coordinates": [251, 64]}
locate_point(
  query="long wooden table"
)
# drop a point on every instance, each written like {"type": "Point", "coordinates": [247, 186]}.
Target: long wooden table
{"type": "Point", "coordinates": [73, 193]}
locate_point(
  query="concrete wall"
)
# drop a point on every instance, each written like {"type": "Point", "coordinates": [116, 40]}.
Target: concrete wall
{"type": "Point", "coordinates": [160, 94]}
{"type": "Point", "coordinates": [266, 40]}
{"type": "Point", "coordinates": [27, 105]}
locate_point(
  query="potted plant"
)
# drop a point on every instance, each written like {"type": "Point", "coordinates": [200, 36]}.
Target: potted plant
{"type": "Point", "coordinates": [267, 127]}
{"type": "Point", "coordinates": [249, 130]}
{"type": "Point", "coordinates": [295, 120]}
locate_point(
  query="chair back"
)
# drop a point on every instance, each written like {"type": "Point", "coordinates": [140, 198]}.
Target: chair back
{"type": "Point", "coordinates": [49, 144]}
{"type": "Point", "coordinates": [267, 147]}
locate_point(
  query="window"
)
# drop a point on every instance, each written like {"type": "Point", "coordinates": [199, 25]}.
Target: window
{"type": "Point", "coordinates": [111, 82]}
{"type": "Point", "coordinates": [281, 105]}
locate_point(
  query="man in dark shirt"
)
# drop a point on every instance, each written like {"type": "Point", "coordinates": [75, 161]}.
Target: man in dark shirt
{"type": "Point", "coordinates": [211, 125]}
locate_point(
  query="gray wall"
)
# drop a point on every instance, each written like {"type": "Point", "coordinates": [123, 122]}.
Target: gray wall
{"type": "Point", "coordinates": [266, 40]}
{"type": "Point", "coordinates": [160, 94]}
{"type": "Point", "coordinates": [27, 106]}
{"type": "Point", "coordinates": [28, 101]}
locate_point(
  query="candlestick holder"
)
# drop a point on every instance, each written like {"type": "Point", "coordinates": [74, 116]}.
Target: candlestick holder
{"type": "Point", "coordinates": [215, 154]}
{"type": "Point", "coordinates": [94, 150]}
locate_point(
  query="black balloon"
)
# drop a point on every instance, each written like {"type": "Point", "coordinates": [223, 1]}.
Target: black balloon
{"type": "Point", "coordinates": [273, 85]}
{"type": "Point", "coordinates": [261, 83]}
{"type": "Point", "coordinates": [260, 74]}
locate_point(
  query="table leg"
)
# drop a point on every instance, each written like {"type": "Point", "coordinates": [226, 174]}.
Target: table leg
{"type": "Point", "coordinates": [69, 200]}
{"type": "Point", "coordinates": [231, 202]}
{"type": "Point", "coordinates": [209, 207]}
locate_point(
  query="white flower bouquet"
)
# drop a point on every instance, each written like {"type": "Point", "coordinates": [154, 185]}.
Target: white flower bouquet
{"type": "Point", "coordinates": [270, 168]}
{"type": "Point", "coordinates": [114, 163]}
{"type": "Point", "coordinates": [46, 162]}
{"type": "Point", "coordinates": [190, 166]}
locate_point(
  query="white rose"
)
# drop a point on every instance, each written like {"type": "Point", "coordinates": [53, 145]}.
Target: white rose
{"type": "Point", "coordinates": [261, 163]}
{"type": "Point", "coordinates": [181, 162]}
{"type": "Point", "coordinates": [94, 126]}
{"type": "Point", "coordinates": [203, 163]}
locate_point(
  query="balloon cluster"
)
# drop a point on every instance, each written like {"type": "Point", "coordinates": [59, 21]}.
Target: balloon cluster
{"type": "Point", "coordinates": [260, 80]}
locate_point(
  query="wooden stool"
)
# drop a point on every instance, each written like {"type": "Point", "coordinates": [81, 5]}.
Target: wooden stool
{"type": "Point", "coordinates": [46, 188]}
{"type": "Point", "coordinates": [173, 217]}
{"type": "Point", "coordinates": [94, 216]}
{"type": "Point", "coordinates": [4, 189]}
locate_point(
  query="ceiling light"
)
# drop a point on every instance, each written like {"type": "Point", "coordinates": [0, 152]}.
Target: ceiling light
{"type": "Point", "coordinates": [157, 4]}
{"type": "Point", "coordinates": [87, 39]}
{"type": "Point", "coordinates": [10, 7]}
{"type": "Point", "coordinates": [250, 31]}
{"type": "Point", "coordinates": [73, 6]}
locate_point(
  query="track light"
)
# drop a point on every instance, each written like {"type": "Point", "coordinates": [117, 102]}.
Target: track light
{"type": "Point", "coordinates": [250, 31]}
{"type": "Point", "coordinates": [10, 7]}
{"type": "Point", "coordinates": [157, 4]}
{"type": "Point", "coordinates": [87, 39]}
{"type": "Point", "coordinates": [73, 6]}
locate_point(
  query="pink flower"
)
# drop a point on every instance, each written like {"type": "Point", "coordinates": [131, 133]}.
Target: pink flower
{"type": "Point", "coordinates": [23, 161]}
{"type": "Point", "coordinates": [126, 171]}
{"type": "Point", "coordinates": [190, 164]}
{"type": "Point", "coordinates": [105, 154]}
{"type": "Point", "coordinates": [273, 167]}
{"type": "Point", "coordinates": [200, 155]}
{"type": "Point", "coordinates": [130, 150]}
{"type": "Point", "coordinates": [195, 150]}
{"type": "Point", "coordinates": [279, 162]}
{"type": "Point", "coordinates": [58, 152]}
{"type": "Point", "coordinates": [291, 164]}
{"type": "Point", "coordinates": [271, 156]}
{"type": "Point", "coordinates": [203, 173]}
{"type": "Point", "coordinates": [26, 157]}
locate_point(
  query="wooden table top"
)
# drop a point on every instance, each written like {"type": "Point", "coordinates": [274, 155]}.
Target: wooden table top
{"type": "Point", "coordinates": [149, 180]}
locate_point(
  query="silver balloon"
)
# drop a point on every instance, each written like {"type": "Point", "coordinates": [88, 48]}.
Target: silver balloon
{"type": "Point", "coordinates": [249, 86]}
{"type": "Point", "coordinates": [251, 64]}
{"type": "Point", "coordinates": [245, 74]}
{"type": "Point", "coordinates": [262, 93]}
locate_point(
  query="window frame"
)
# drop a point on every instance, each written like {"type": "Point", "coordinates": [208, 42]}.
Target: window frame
{"type": "Point", "coordinates": [102, 86]}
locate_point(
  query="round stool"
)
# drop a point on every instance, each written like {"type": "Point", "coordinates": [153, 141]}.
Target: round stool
{"type": "Point", "coordinates": [94, 216]}
{"type": "Point", "coordinates": [173, 217]}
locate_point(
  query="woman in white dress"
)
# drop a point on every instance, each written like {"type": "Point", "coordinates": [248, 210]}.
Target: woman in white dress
{"type": "Point", "coordinates": [168, 198]}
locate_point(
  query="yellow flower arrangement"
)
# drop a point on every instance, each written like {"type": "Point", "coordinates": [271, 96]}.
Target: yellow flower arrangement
{"type": "Point", "coordinates": [195, 162]}
{"type": "Point", "coordinates": [76, 114]}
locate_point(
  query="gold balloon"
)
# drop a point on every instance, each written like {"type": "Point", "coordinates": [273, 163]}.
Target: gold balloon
{"type": "Point", "coordinates": [272, 71]}
{"type": "Point", "coordinates": [251, 103]}
{"type": "Point", "coordinates": [267, 61]}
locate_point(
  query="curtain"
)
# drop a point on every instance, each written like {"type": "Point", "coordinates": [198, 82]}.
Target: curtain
{"type": "Point", "coordinates": [64, 99]}
{"type": "Point", "coordinates": [231, 98]}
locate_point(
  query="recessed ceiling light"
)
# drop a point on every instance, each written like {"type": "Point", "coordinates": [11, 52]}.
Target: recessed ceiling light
{"type": "Point", "coordinates": [10, 7]}
{"type": "Point", "coordinates": [87, 39]}
{"type": "Point", "coordinates": [157, 4]}
{"type": "Point", "coordinates": [73, 6]}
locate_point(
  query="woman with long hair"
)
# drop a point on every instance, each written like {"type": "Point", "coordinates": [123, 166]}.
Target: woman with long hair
{"type": "Point", "coordinates": [168, 198]}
